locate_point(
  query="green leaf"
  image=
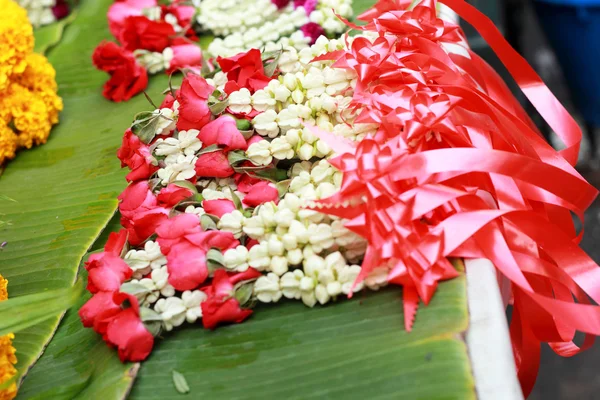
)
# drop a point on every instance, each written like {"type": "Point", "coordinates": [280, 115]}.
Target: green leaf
{"type": "Point", "coordinates": [350, 349]}
{"type": "Point", "coordinates": [180, 383]}
{"type": "Point", "coordinates": [65, 190]}
{"type": "Point", "coordinates": [187, 185]}
{"type": "Point", "coordinates": [49, 35]}
{"type": "Point", "coordinates": [133, 288]}
{"type": "Point", "coordinates": [19, 313]}
{"type": "Point", "coordinates": [78, 365]}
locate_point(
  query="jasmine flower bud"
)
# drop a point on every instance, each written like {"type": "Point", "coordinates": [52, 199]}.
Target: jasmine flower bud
{"type": "Point", "coordinates": [279, 265]}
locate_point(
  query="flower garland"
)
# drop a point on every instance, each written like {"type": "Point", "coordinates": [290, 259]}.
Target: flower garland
{"type": "Point", "coordinates": [7, 354]}
{"type": "Point", "coordinates": [350, 164]}
{"type": "Point", "coordinates": [29, 104]}
{"type": "Point", "coordinates": [155, 38]}
{"type": "Point", "coordinates": [44, 12]}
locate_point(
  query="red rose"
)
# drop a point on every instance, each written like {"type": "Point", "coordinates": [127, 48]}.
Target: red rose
{"type": "Point", "coordinates": [136, 198]}
{"type": "Point", "coordinates": [213, 165]}
{"type": "Point", "coordinates": [119, 11]}
{"type": "Point", "coordinates": [168, 101]}
{"type": "Point", "coordinates": [222, 131]}
{"type": "Point", "coordinates": [244, 70]}
{"type": "Point", "coordinates": [221, 305]}
{"type": "Point", "coordinates": [173, 194]}
{"type": "Point", "coordinates": [127, 332]}
{"type": "Point", "coordinates": [139, 32]}
{"type": "Point", "coordinates": [218, 207]}
{"type": "Point", "coordinates": [185, 56]}
{"type": "Point", "coordinates": [184, 243]}
{"type": "Point", "coordinates": [97, 311]}
{"type": "Point", "coordinates": [107, 270]}
{"type": "Point", "coordinates": [261, 193]}
{"type": "Point", "coordinates": [140, 212]}
{"type": "Point", "coordinates": [108, 56]}
{"type": "Point", "coordinates": [193, 103]}
{"type": "Point", "coordinates": [245, 182]}
{"type": "Point", "coordinates": [126, 81]}
{"type": "Point", "coordinates": [136, 155]}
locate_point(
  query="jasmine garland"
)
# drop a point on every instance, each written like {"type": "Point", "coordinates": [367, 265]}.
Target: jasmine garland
{"type": "Point", "coordinates": [154, 38]}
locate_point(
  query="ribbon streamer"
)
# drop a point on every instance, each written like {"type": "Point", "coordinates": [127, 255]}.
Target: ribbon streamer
{"type": "Point", "coordinates": [457, 169]}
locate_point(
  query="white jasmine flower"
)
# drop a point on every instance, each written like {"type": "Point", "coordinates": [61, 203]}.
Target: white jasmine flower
{"type": "Point", "coordinates": [258, 257]}
{"type": "Point", "coordinates": [254, 227]}
{"type": "Point", "coordinates": [298, 229]}
{"type": "Point", "coordinates": [320, 236]}
{"type": "Point", "coordinates": [266, 288]}
{"type": "Point", "coordinates": [262, 100]}
{"type": "Point", "coordinates": [232, 222]}
{"type": "Point", "coordinates": [142, 261]}
{"type": "Point", "coordinates": [279, 265]}
{"type": "Point", "coordinates": [191, 301]}
{"type": "Point", "coordinates": [236, 259]}
{"type": "Point", "coordinates": [172, 311]}
{"type": "Point", "coordinates": [187, 142]}
{"type": "Point", "coordinates": [178, 168]}
{"type": "Point", "coordinates": [198, 211]}
{"type": "Point", "coordinates": [290, 284]}
{"type": "Point", "coordinates": [306, 151]}
{"type": "Point", "coordinates": [260, 152]}
{"type": "Point", "coordinates": [281, 149]}
{"type": "Point", "coordinates": [265, 124]}
{"type": "Point", "coordinates": [239, 101]}
{"type": "Point", "coordinates": [295, 256]}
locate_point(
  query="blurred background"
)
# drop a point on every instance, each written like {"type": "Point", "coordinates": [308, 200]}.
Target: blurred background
{"type": "Point", "coordinates": [561, 40]}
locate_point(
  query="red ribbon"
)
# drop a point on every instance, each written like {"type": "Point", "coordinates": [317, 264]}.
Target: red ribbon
{"type": "Point", "coordinates": [457, 169]}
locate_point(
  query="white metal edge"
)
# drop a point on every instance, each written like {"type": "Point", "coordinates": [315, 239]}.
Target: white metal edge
{"type": "Point", "coordinates": [488, 340]}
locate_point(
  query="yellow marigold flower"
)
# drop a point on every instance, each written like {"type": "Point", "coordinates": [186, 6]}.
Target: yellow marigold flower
{"type": "Point", "coordinates": [16, 40]}
{"type": "Point", "coordinates": [8, 143]}
{"type": "Point", "coordinates": [29, 104]}
{"type": "Point", "coordinates": [7, 354]}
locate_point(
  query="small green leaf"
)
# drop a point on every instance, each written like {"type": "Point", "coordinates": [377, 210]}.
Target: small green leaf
{"type": "Point", "coordinates": [180, 383]}
{"type": "Point", "coordinates": [218, 107]}
{"type": "Point", "coordinates": [243, 292]}
{"type": "Point", "coordinates": [145, 125]}
{"type": "Point", "coordinates": [208, 223]}
{"type": "Point", "coordinates": [236, 157]}
{"type": "Point", "coordinates": [283, 187]}
{"type": "Point", "coordinates": [148, 314]}
{"type": "Point", "coordinates": [214, 259]}
{"type": "Point", "coordinates": [236, 200]}
{"type": "Point", "coordinates": [247, 134]}
{"type": "Point", "coordinates": [186, 185]}
{"type": "Point", "coordinates": [209, 149]}
{"type": "Point", "coordinates": [134, 288]}
{"type": "Point", "coordinates": [154, 327]}
{"type": "Point", "coordinates": [272, 66]}
{"type": "Point", "coordinates": [273, 174]}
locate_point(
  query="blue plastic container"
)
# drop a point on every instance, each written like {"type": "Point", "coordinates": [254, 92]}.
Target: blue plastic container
{"type": "Point", "coordinates": [573, 30]}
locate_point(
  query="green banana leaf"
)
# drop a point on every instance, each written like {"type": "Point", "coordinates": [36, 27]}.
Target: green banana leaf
{"type": "Point", "coordinates": [57, 198]}
{"type": "Point", "coordinates": [65, 193]}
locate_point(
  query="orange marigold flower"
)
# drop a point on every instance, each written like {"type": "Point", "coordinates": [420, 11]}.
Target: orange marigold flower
{"type": "Point", "coordinates": [7, 354]}
{"type": "Point", "coordinates": [29, 104]}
